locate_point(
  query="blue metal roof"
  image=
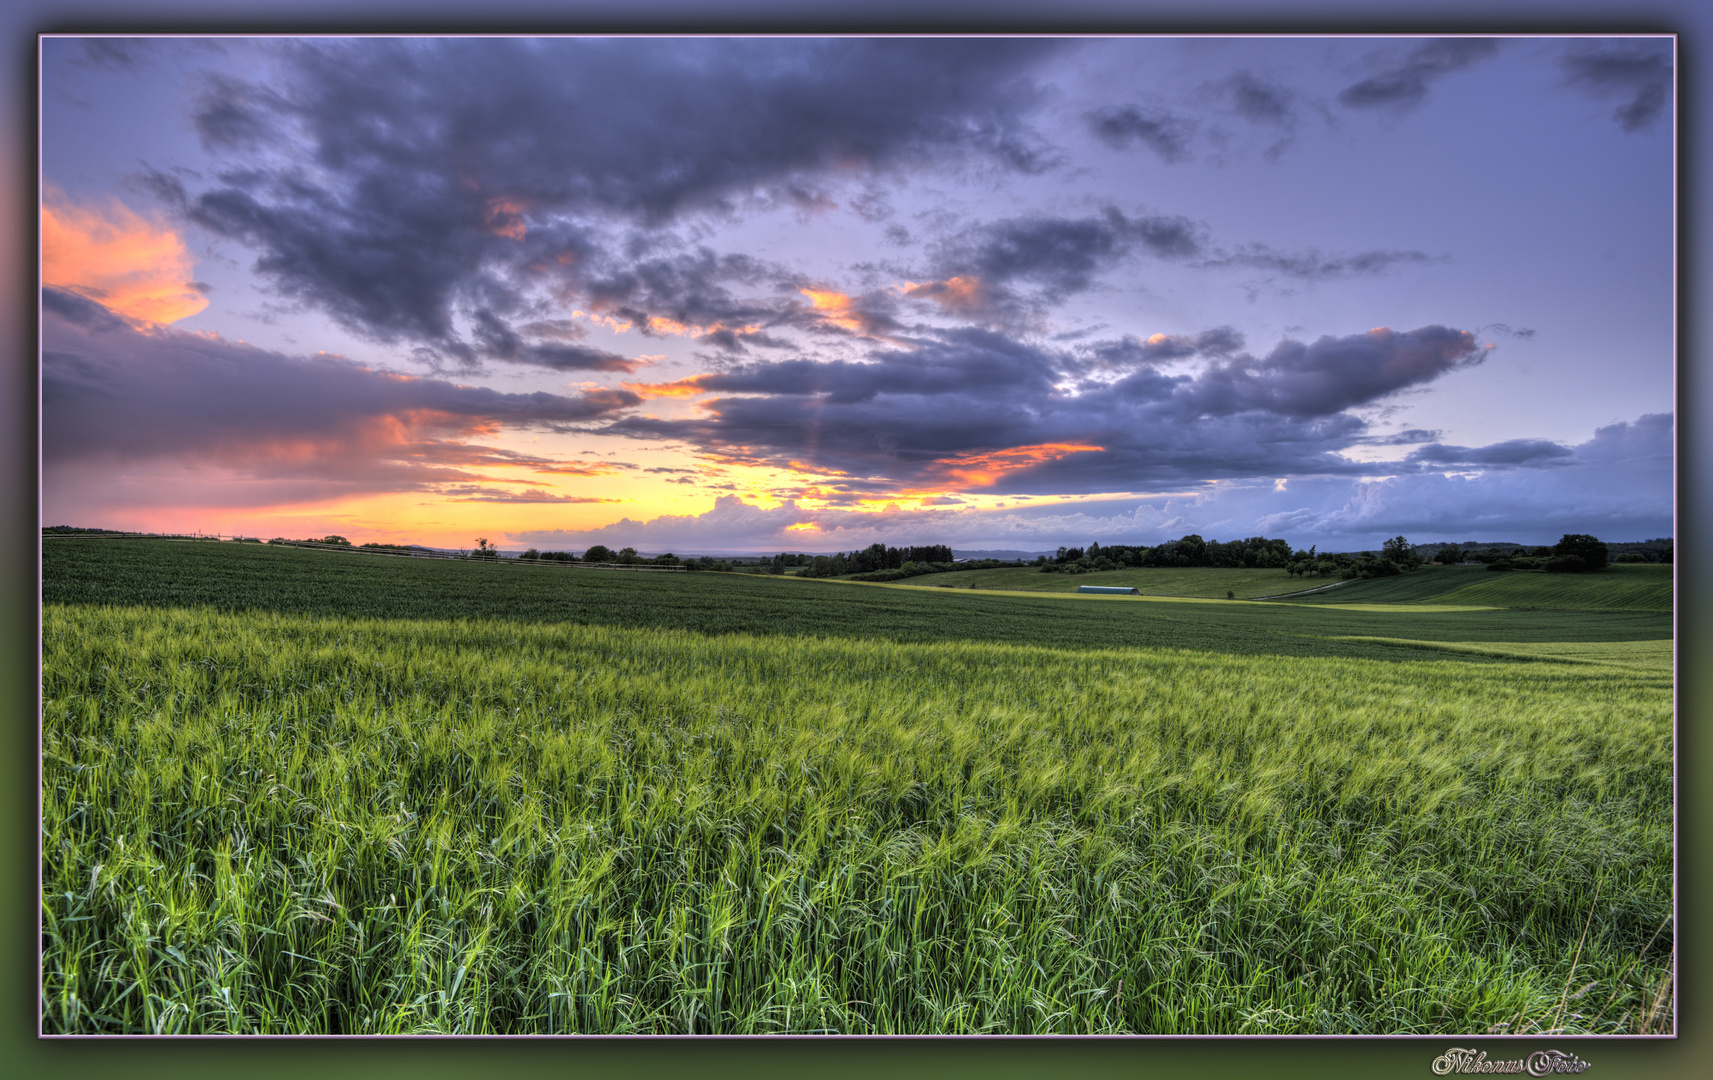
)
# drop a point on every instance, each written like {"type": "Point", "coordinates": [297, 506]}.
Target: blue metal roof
{"type": "Point", "coordinates": [1110, 589]}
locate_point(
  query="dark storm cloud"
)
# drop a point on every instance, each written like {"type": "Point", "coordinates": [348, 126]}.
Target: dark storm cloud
{"type": "Point", "coordinates": [1638, 73]}
{"type": "Point", "coordinates": [1056, 256]}
{"type": "Point", "coordinates": [394, 184]}
{"type": "Point", "coordinates": [1535, 453]}
{"type": "Point", "coordinates": [1332, 374]}
{"type": "Point", "coordinates": [693, 289]}
{"type": "Point", "coordinates": [1064, 253]}
{"type": "Point", "coordinates": [115, 393]}
{"type": "Point", "coordinates": [979, 402]}
{"type": "Point", "coordinates": [1166, 134]}
{"type": "Point", "coordinates": [1402, 82]}
{"type": "Point", "coordinates": [498, 341]}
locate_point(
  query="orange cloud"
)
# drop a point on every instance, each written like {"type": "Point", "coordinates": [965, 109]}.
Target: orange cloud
{"type": "Point", "coordinates": [981, 470]}
{"type": "Point", "coordinates": [134, 266]}
{"type": "Point", "coordinates": [505, 218]}
{"type": "Point", "coordinates": [960, 293]}
{"type": "Point", "coordinates": [835, 308]}
{"type": "Point", "coordinates": [681, 388]}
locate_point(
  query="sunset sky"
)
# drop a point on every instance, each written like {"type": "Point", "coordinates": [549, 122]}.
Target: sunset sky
{"type": "Point", "coordinates": [806, 294]}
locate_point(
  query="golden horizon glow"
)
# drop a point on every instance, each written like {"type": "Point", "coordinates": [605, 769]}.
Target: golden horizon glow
{"type": "Point", "coordinates": [679, 388]}
{"type": "Point", "coordinates": [132, 265]}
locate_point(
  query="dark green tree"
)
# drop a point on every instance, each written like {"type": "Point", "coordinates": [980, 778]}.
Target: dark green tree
{"type": "Point", "coordinates": [1398, 551]}
{"type": "Point", "coordinates": [1587, 550]}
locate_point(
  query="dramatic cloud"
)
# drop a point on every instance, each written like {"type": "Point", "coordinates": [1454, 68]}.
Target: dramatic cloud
{"type": "Point", "coordinates": [1054, 256]}
{"type": "Point", "coordinates": [500, 342]}
{"type": "Point", "coordinates": [1402, 82]}
{"type": "Point", "coordinates": [134, 266]}
{"type": "Point", "coordinates": [1637, 73]}
{"type": "Point", "coordinates": [1333, 374]}
{"type": "Point", "coordinates": [1586, 493]}
{"type": "Point", "coordinates": [932, 414]}
{"type": "Point", "coordinates": [318, 426]}
{"type": "Point", "coordinates": [841, 274]}
{"type": "Point", "coordinates": [395, 184]}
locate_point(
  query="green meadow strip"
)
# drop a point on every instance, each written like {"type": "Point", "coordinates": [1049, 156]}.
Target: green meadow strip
{"type": "Point", "coordinates": [259, 821]}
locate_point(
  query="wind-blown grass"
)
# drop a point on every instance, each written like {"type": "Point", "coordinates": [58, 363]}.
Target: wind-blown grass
{"type": "Point", "coordinates": [266, 822]}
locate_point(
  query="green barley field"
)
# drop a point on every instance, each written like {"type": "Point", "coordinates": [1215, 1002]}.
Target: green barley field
{"type": "Point", "coordinates": [299, 791]}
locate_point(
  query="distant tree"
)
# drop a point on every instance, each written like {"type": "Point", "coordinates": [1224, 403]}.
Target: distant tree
{"type": "Point", "coordinates": [1398, 551]}
{"type": "Point", "coordinates": [530, 555]}
{"type": "Point", "coordinates": [628, 556]}
{"type": "Point", "coordinates": [598, 553]}
{"type": "Point", "coordinates": [1589, 550]}
{"type": "Point", "coordinates": [485, 550]}
{"type": "Point", "coordinates": [334, 540]}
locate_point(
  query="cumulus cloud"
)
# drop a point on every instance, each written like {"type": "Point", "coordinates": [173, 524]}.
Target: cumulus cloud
{"type": "Point", "coordinates": [1637, 73]}
{"type": "Point", "coordinates": [396, 184]}
{"type": "Point", "coordinates": [1618, 485]}
{"type": "Point", "coordinates": [1402, 82]}
{"type": "Point", "coordinates": [116, 398]}
{"type": "Point", "coordinates": [923, 415]}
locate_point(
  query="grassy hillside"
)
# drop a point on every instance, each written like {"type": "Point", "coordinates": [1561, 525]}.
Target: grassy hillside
{"type": "Point", "coordinates": [1620, 587]}
{"type": "Point", "coordinates": [1617, 588]}
{"type": "Point", "coordinates": [238, 577]}
{"type": "Point", "coordinates": [267, 822]}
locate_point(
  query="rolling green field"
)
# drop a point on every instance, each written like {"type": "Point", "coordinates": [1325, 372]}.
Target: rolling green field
{"type": "Point", "coordinates": [1207, 582]}
{"type": "Point", "coordinates": [1619, 587]}
{"type": "Point", "coordinates": [290, 791]}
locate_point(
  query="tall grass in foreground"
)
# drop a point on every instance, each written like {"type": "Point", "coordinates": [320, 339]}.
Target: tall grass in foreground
{"type": "Point", "coordinates": [271, 823]}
